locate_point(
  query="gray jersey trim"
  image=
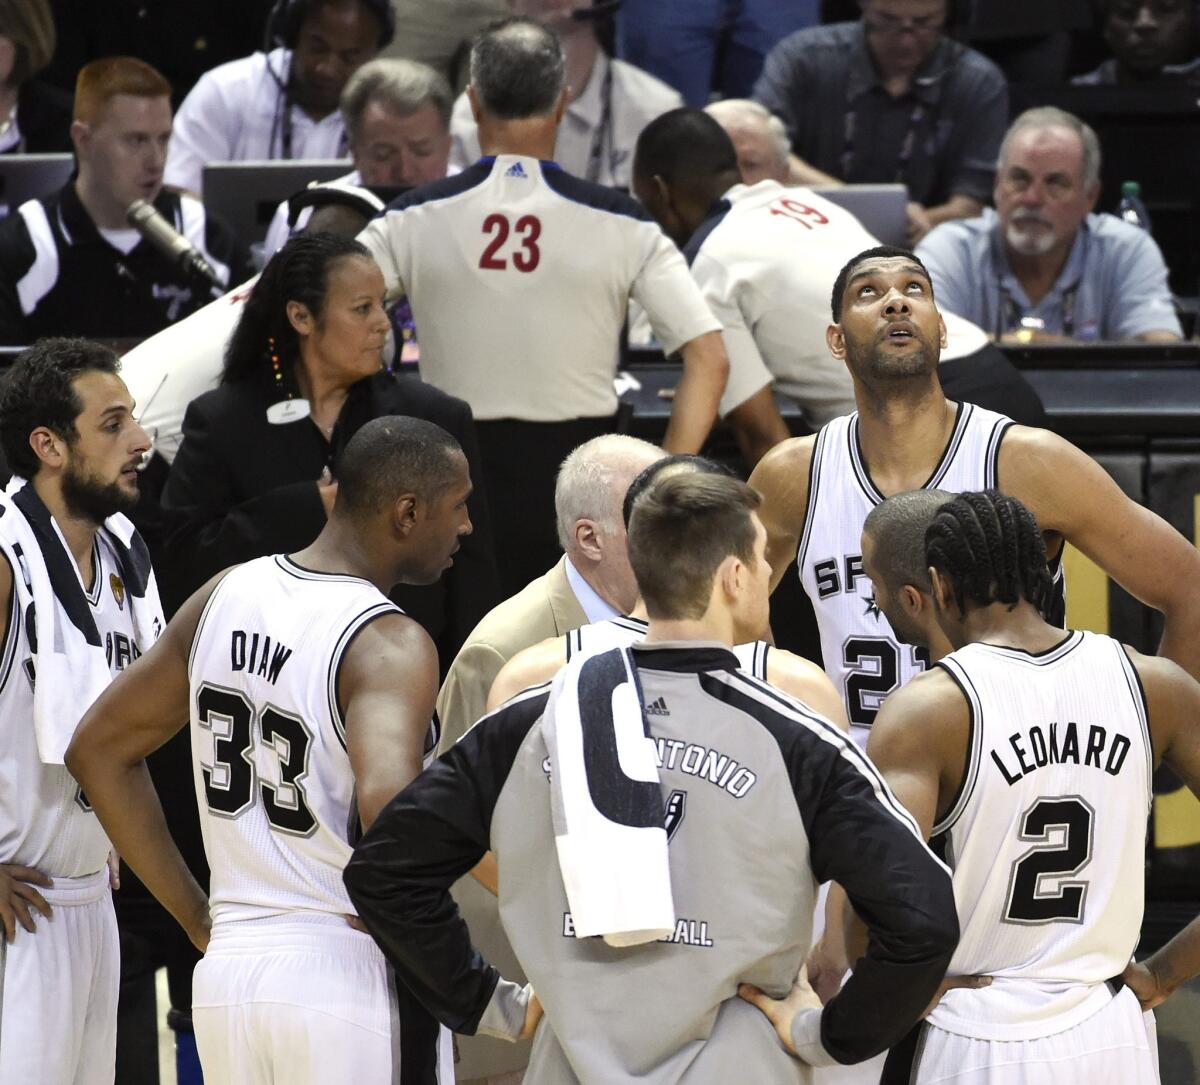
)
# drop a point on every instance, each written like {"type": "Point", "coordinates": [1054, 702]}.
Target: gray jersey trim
{"type": "Point", "coordinates": [966, 787]}
{"type": "Point", "coordinates": [1137, 693]}
{"type": "Point", "coordinates": [208, 605]}
{"type": "Point", "coordinates": [13, 637]}
{"type": "Point", "coordinates": [352, 629]}
{"type": "Point", "coordinates": [814, 486]}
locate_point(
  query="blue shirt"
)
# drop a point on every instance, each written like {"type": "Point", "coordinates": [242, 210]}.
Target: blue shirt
{"type": "Point", "coordinates": [941, 138]}
{"type": "Point", "coordinates": [1113, 285]}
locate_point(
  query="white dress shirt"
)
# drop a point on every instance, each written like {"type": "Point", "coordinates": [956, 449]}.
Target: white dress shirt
{"type": "Point", "coordinates": [236, 113]}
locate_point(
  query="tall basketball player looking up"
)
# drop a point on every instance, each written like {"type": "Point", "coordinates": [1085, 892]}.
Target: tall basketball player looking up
{"type": "Point", "coordinates": [905, 435]}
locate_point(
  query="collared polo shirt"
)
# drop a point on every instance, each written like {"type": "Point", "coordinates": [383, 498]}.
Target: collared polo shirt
{"type": "Point", "coordinates": [238, 112]}
{"type": "Point", "coordinates": [587, 146]}
{"type": "Point", "coordinates": [520, 276]}
{"type": "Point", "coordinates": [1113, 285]}
{"type": "Point", "coordinates": [941, 138]}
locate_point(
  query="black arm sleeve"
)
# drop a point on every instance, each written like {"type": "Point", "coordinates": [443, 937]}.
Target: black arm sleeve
{"type": "Point", "coordinates": [211, 527]}
{"type": "Point", "coordinates": [426, 838]}
{"type": "Point", "coordinates": [862, 838]}
{"type": "Point", "coordinates": [227, 247]}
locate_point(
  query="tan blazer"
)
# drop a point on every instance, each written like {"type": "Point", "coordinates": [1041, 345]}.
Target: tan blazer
{"type": "Point", "coordinates": [545, 607]}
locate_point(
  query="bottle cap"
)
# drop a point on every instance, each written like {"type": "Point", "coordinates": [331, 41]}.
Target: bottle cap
{"type": "Point", "coordinates": [1131, 188]}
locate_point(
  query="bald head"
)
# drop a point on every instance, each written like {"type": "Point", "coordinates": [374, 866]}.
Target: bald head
{"type": "Point", "coordinates": [896, 528]}
{"type": "Point", "coordinates": [759, 138]}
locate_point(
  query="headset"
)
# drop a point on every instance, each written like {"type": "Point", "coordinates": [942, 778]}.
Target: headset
{"type": "Point", "coordinates": [283, 24]}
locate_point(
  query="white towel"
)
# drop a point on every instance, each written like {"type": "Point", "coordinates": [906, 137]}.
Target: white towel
{"type": "Point", "coordinates": [607, 804]}
{"type": "Point", "coordinates": [69, 661]}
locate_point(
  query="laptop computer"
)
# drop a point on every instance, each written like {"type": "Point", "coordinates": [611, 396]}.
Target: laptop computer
{"type": "Point", "coordinates": [29, 176]}
{"type": "Point", "coordinates": [245, 194]}
{"type": "Point", "coordinates": [882, 209]}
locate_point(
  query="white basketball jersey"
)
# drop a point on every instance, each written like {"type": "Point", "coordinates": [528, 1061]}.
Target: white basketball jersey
{"type": "Point", "coordinates": [1047, 835]}
{"type": "Point", "coordinates": [621, 632]}
{"type": "Point", "coordinates": [45, 821]}
{"type": "Point", "coordinates": [273, 778]}
{"type": "Point", "coordinates": [860, 652]}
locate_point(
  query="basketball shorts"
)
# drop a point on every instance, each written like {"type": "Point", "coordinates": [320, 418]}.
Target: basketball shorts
{"type": "Point", "coordinates": [1112, 1047]}
{"type": "Point", "coordinates": [304, 999]}
{"type": "Point", "coordinates": [58, 989]}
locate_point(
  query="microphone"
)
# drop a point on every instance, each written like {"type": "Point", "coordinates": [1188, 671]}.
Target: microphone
{"type": "Point", "coordinates": [178, 249]}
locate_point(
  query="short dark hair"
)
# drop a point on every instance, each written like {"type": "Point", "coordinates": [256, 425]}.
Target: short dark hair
{"type": "Point", "coordinates": [686, 147]}
{"type": "Point", "coordinates": [38, 391]}
{"type": "Point", "coordinates": [679, 462]}
{"type": "Point", "coordinates": [517, 69]}
{"type": "Point", "coordinates": [897, 526]}
{"type": "Point", "coordinates": [297, 272]}
{"type": "Point", "coordinates": [390, 456]}
{"type": "Point", "coordinates": [879, 252]}
{"type": "Point", "coordinates": [990, 547]}
{"type": "Point", "coordinates": [681, 530]}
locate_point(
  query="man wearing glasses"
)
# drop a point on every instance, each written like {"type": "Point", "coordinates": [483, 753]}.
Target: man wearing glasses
{"type": "Point", "coordinates": [1042, 266]}
{"type": "Point", "coordinates": [891, 99]}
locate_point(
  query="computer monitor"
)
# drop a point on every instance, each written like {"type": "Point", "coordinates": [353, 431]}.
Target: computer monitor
{"type": "Point", "coordinates": [882, 209]}
{"type": "Point", "coordinates": [246, 194]}
{"type": "Point", "coordinates": [28, 176]}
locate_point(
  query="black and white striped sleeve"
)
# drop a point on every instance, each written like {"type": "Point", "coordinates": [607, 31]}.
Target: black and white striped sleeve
{"type": "Point", "coordinates": [430, 835]}
{"type": "Point", "coordinates": [863, 839]}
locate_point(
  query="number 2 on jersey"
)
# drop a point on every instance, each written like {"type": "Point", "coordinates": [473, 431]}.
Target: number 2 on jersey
{"type": "Point", "coordinates": [1053, 856]}
{"type": "Point", "coordinates": [526, 257]}
{"type": "Point", "coordinates": [229, 782]}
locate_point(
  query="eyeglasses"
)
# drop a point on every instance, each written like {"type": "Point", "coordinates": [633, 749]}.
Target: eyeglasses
{"type": "Point", "coordinates": [892, 26]}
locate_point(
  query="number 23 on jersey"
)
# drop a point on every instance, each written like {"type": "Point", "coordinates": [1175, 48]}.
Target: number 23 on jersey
{"type": "Point", "coordinates": [511, 242]}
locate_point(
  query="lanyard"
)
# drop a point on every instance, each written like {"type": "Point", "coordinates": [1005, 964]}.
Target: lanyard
{"type": "Point", "coordinates": [906, 147]}
{"type": "Point", "coordinates": [603, 132]}
{"type": "Point", "coordinates": [1009, 314]}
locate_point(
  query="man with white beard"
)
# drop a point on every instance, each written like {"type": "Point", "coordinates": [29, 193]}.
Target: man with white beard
{"type": "Point", "coordinates": [1042, 265]}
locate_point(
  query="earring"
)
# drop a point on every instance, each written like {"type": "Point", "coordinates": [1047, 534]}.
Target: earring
{"type": "Point", "coordinates": [275, 366]}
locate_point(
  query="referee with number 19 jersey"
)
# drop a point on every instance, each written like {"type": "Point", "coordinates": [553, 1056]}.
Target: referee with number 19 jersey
{"type": "Point", "coordinates": [519, 276]}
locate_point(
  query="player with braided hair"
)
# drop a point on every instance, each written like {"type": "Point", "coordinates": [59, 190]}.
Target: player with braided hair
{"type": "Point", "coordinates": [905, 435]}
{"type": "Point", "coordinates": [1028, 751]}
{"type": "Point", "coordinates": [991, 546]}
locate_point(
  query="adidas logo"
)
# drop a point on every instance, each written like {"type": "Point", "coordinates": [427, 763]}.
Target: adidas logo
{"type": "Point", "coordinates": [657, 708]}
{"type": "Point", "coordinates": [515, 170]}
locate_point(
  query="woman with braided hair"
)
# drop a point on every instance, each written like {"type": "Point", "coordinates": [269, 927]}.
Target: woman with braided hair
{"type": "Point", "coordinates": [1029, 750]}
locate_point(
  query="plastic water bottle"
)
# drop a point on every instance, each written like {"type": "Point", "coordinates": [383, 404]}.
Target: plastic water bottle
{"type": "Point", "coordinates": [1131, 209]}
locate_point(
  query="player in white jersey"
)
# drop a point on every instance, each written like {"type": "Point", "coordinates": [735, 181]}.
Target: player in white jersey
{"type": "Point", "coordinates": [1030, 750]}
{"type": "Point", "coordinates": [905, 435]}
{"type": "Point", "coordinates": [311, 699]}
{"type": "Point", "coordinates": [67, 427]}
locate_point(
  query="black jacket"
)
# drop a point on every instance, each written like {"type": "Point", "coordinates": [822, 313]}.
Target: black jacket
{"type": "Point", "coordinates": [64, 278]}
{"type": "Point", "coordinates": [241, 487]}
{"type": "Point", "coordinates": [43, 118]}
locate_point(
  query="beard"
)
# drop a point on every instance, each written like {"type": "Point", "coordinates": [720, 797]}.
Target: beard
{"type": "Point", "coordinates": [866, 358]}
{"type": "Point", "coordinates": [1026, 243]}
{"type": "Point", "coordinates": [89, 499]}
